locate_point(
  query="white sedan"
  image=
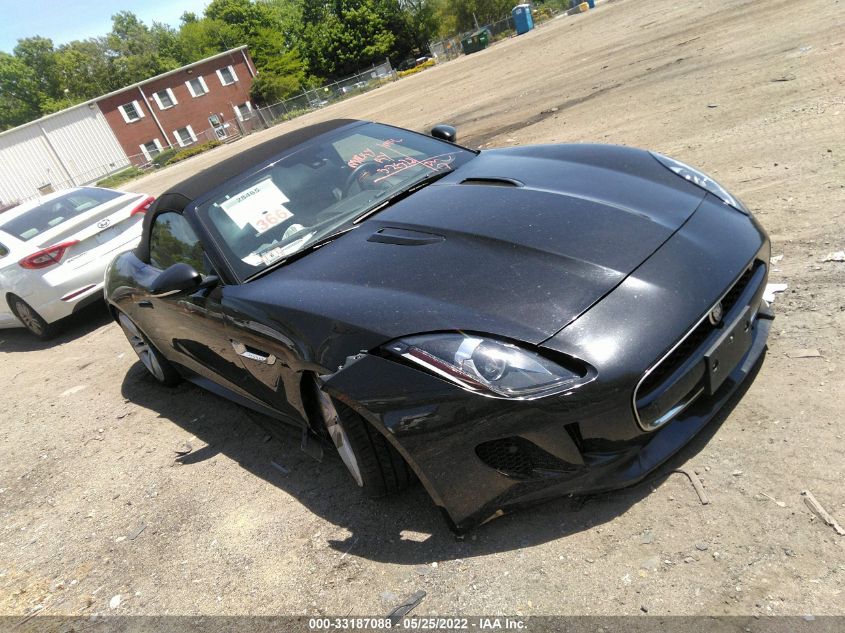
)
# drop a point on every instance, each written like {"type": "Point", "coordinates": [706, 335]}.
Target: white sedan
{"type": "Point", "coordinates": [54, 252]}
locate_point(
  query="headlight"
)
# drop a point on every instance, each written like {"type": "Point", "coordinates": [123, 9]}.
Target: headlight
{"type": "Point", "coordinates": [702, 180]}
{"type": "Point", "coordinates": [485, 365]}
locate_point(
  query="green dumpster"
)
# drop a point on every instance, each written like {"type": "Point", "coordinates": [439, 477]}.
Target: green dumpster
{"type": "Point", "coordinates": [476, 41]}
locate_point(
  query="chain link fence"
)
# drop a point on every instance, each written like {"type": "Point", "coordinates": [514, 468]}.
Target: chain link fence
{"type": "Point", "coordinates": [446, 49]}
{"type": "Point", "coordinates": [450, 47]}
{"type": "Point", "coordinates": [313, 98]}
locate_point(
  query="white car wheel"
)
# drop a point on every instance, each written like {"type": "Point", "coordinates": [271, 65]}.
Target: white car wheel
{"type": "Point", "coordinates": [30, 319]}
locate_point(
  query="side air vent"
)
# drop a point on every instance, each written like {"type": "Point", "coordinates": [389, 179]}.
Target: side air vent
{"type": "Point", "coordinates": [404, 237]}
{"type": "Point", "coordinates": [492, 182]}
{"type": "Point", "coordinates": [519, 458]}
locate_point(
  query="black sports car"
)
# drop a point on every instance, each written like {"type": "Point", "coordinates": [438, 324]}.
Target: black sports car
{"type": "Point", "coordinates": [505, 325]}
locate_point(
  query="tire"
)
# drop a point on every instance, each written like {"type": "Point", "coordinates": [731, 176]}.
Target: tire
{"type": "Point", "coordinates": [30, 319]}
{"type": "Point", "coordinates": [375, 465]}
{"type": "Point", "coordinates": [156, 365]}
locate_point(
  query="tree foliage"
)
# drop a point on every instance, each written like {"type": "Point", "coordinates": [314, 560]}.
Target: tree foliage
{"type": "Point", "coordinates": [485, 11]}
{"type": "Point", "coordinates": [283, 77]}
{"type": "Point", "coordinates": [19, 98]}
{"type": "Point", "coordinates": [342, 37]}
{"type": "Point", "coordinates": [294, 43]}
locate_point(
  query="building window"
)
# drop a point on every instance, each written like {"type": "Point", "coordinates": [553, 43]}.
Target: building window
{"type": "Point", "coordinates": [227, 75]}
{"type": "Point", "coordinates": [165, 99]}
{"type": "Point", "coordinates": [151, 150]}
{"type": "Point", "coordinates": [243, 111]}
{"type": "Point", "coordinates": [197, 86]}
{"type": "Point", "coordinates": [131, 111]}
{"type": "Point", "coordinates": [185, 135]}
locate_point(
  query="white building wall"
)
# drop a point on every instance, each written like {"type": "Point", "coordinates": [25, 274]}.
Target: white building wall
{"type": "Point", "coordinates": [70, 148]}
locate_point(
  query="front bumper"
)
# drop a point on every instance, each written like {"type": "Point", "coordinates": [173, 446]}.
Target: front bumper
{"type": "Point", "coordinates": [439, 429]}
{"type": "Point", "coordinates": [479, 457]}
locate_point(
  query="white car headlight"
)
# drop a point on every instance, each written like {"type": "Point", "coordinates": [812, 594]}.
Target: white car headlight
{"type": "Point", "coordinates": [702, 180]}
{"type": "Point", "coordinates": [486, 365]}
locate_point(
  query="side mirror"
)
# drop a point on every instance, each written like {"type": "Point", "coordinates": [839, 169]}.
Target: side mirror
{"type": "Point", "coordinates": [177, 278]}
{"type": "Point", "coordinates": [445, 133]}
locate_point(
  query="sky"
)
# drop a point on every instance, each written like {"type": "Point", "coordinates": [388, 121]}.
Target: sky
{"type": "Point", "coordinates": [66, 20]}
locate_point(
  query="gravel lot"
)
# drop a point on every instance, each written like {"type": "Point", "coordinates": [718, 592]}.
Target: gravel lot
{"type": "Point", "coordinates": [96, 503]}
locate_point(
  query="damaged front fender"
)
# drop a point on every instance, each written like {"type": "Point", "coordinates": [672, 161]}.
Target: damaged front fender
{"type": "Point", "coordinates": [437, 426]}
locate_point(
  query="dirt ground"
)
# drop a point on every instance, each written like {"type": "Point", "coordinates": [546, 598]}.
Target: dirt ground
{"type": "Point", "coordinates": [95, 502]}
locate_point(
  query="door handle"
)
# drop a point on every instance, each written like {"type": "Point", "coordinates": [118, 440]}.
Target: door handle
{"type": "Point", "coordinates": [256, 355]}
{"type": "Point", "coordinates": [145, 304]}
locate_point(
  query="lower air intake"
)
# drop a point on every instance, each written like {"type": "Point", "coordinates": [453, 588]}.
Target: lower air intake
{"type": "Point", "coordinates": [517, 457]}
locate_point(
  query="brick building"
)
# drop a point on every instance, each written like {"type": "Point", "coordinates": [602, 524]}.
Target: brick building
{"type": "Point", "coordinates": [192, 104]}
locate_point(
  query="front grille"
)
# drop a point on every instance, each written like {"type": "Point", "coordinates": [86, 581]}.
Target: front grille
{"type": "Point", "coordinates": [518, 457]}
{"type": "Point", "coordinates": [680, 377]}
{"type": "Point", "coordinates": [738, 288]}
{"type": "Point", "coordinates": [695, 338]}
{"type": "Point", "coordinates": [680, 354]}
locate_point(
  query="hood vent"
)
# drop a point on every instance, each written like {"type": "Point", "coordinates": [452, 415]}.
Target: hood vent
{"type": "Point", "coordinates": [404, 237]}
{"type": "Point", "coordinates": [492, 182]}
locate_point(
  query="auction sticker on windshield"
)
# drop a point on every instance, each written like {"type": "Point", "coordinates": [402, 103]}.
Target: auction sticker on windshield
{"type": "Point", "coordinates": [262, 206]}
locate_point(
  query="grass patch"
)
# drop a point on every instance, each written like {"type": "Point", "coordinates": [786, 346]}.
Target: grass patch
{"type": "Point", "coordinates": [115, 180]}
{"type": "Point", "coordinates": [290, 114]}
{"type": "Point", "coordinates": [162, 158]}
{"type": "Point", "coordinates": [167, 157]}
{"type": "Point", "coordinates": [182, 154]}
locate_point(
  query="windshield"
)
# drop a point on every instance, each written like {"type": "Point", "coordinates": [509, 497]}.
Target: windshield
{"type": "Point", "coordinates": [60, 209]}
{"type": "Point", "coordinates": [320, 189]}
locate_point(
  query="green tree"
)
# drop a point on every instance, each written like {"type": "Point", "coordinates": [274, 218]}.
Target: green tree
{"type": "Point", "coordinates": [203, 38]}
{"type": "Point", "coordinates": [486, 11]}
{"type": "Point", "coordinates": [166, 42]}
{"type": "Point", "coordinates": [444, 17]}
{"type": "Point", "coordinates": [19, 95]}
{"type": "Point", "coordinates": [39, 55]}
{"type": "Point", "coordinates": [280, 79]}
{"type": "Point", "coordinates": [83, 69]}
{"type": "Point", "coordinates": [424, 21]}
{"type": "Point", "coordinates": [266, 46]}
{"type": "Point", "coordinates": [246, 16]}
{"type": "Point", "coordinates": [340, 39]}
{"type": "Point", "coordinates": [133, 51]}
{"type": "Point", "coordinates": [288, 19]}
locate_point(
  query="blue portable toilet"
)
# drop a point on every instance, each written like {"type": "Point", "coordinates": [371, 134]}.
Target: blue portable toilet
{"type": "Point", "coordinates": [522, 19]}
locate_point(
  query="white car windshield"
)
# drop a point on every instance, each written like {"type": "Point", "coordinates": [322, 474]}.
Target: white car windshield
{"type": "Point", "coordinates": [318, 189]}
{"type": "Point", "coordinates": [31, 223]}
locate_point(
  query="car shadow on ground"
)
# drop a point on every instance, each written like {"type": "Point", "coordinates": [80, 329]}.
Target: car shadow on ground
{"type": "Point", "coordinates": [407, 529]}
{"type": "Point", "coordinates": [77, 325]}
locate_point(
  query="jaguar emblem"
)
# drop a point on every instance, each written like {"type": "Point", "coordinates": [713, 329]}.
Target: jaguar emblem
{"type": "Point", "coordinates": [716, 314]}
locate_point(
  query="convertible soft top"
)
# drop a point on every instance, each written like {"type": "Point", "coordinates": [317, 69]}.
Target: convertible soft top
{"type": "Point", "coordinates": [181, 195]}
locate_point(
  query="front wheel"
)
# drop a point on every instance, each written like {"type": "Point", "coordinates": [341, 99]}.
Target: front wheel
{"type": "Point", "coordinates": [375, 465]}
{"type": "Point", "coordinates": [156, 364]}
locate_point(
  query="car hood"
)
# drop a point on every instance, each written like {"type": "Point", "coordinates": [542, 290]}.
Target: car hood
{"type": "Point", "coordinates": [516, 243]}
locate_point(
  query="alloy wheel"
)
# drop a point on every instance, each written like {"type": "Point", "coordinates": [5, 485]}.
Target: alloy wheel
{"type": "Point", "coordinates": [145, 353]}
{"type": "Point", "coordinates": [28, 318]}
{"type": "Point", "coordinates": [339, 437]}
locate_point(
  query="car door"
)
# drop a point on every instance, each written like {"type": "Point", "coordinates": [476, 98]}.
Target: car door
{"type": "Point", "coordinates": [206, 332]}
{"type": "Point", "coordinates": [187, 327]}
